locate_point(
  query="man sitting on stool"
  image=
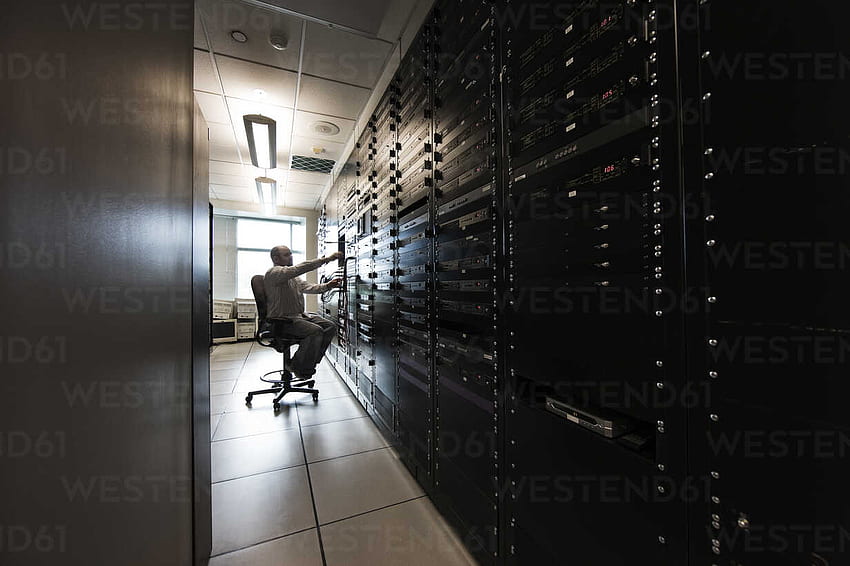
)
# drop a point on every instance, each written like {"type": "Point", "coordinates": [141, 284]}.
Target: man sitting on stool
{"type": "Point", "coordinates": [285, 295]}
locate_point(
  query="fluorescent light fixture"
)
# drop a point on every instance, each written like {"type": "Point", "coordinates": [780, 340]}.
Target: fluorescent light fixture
{"type": "Point", "coordinates": [267, 193]}
{"type": "Point", "coordinates": [262, 140]}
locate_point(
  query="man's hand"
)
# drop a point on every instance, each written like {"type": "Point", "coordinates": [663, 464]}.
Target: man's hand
{"type": "Point", "coordinates": [334, 283]}
{"type": "Point", "coordinates": [335, 255]}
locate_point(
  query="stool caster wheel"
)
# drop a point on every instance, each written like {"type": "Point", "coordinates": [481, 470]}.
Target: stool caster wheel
{"type": "Point", "coordinates": [315, 397]}
{"type": "Point", "coordinates": [276, 406]}
{"type": "Point", "coordinates": [311, 383]}
{"type": "Point", "coordinates": [248, 399]}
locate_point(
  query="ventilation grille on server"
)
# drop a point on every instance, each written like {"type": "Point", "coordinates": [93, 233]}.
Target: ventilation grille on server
{"type": "Point", "coordinates": [313, 164]}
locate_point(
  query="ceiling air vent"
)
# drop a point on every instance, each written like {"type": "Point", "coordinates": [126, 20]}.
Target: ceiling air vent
{"type": "Point", "coordinates": [312, 164]}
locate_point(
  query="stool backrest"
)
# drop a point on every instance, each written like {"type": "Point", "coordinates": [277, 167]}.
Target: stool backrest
{"type": "Point", "coordinates": [258, 287]}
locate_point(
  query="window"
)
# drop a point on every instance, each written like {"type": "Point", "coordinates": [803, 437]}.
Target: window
{"type": "Point", "coordinates": [255, 239]}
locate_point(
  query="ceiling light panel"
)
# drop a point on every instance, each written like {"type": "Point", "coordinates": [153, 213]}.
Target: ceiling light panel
{"type": "Point", "coordinates": [282, 116]}
{"type": "Point", "coordinates": [261, 133]}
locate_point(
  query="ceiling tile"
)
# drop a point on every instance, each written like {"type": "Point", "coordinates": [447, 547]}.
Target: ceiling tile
{"type": "Point", "coordinates": [224, 153]}
{"type": "Point", "coordinates": [205, 78]}
{"type": "Point", "coordinates": [241, 79]}
{"type": "Point", "coordinates": [331, 98]}
{"type": "Point", "coordinates": [200, 38]}
{"type": "Point", "coordinates": [221, 134]}
{"type": "Point", "coordinates": [307, 177]}
{"type": "Point", "coordinates": [305, 123]}
{"type": "Point", "coordinates": [241, 181]}
{"type": "Point", "coordinates": [304, 189]}
{"type": "Point", "coordinates": [342, 56]}
{"type": "Point", "coordinates": [225, 16]}
{"type": "Point", "coordinates": [213, 108]}
{"type": "Point", "coordinates": [307, 147]}
{"type": "Point", "coordinates": [225, 168]}
{"type": "Point", "coordinates": [364, 15]}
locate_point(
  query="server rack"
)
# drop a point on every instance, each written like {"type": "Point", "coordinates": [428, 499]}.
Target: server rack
{"type": "Point", "coordinates": [569, 198]}
{"type": "Point", "coordinates": [768, 164]}
{"type": "Point", "coordinates": [413, 257]}
{"type": "Point", "coordinates": [466, 244]}
{"type": "Point", "coordinates": [591, 259]}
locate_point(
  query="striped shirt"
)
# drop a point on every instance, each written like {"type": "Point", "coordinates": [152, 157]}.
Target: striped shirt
{"type": "Point", "coordinates": [285, 289]}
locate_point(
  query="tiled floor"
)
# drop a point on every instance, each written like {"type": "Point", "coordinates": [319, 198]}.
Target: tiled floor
{"type": "Point", "coordinates": [315, 484]}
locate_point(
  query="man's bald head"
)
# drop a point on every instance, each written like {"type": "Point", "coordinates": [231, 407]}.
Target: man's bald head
{"type": "Point", "coordinates": [281, 255]}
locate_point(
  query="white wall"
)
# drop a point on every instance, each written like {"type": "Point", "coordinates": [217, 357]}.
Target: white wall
{"type": "Point", "coordinates": [224, 246]}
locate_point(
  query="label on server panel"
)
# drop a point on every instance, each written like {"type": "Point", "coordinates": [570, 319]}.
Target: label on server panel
{"type": "Point", "coordinates": [630, 124]}
{"type": "Point", "coordinates": [412, 239]}
{"type": "Point", "coordinates": [472, 285]}
{"type": "Point", "coordinates": [477, 262]}
{"type": "Point", "coordinates": [480, 170]}
{"type": "Point", "coordinates": [478, 130]}
{"type": "Point", "coordinates": [467, 220]}
{"type": "Point", "coordinates": [414, 286]}
{"type": "Point", "coordinates": [415, 302]}
{"type": "Point", "coordinates": [464, 307]}
{"type": "Point", "coordinates": [469, 197]}
{"type": "Point", "coordinates": [481, 243]}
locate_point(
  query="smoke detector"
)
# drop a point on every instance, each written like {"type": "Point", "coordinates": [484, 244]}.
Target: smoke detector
{"type": "Point", "coordinates": [279, 42]}
{"type": "Point", "coordinates": [238, 36]}
{"type": "Point", "coordinates": [324, 128]}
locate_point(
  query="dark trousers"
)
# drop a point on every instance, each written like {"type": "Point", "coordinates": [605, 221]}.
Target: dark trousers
{"type": "Point", "coordinates": [314, 335]}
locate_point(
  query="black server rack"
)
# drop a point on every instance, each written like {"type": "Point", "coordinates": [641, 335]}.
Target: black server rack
{"type": "Point", "coordinates": [595, 274]}
{"type": "Point", "coordinates": [466, 244]}
{"type": "Point", "coordinates": [385, 225]}
{"type": "Point", "coordinates": [768, 152]}
{"type": "Point", "coordinates": [592, 267]}
{"type": "Point", "coordinates": [414, 186]}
